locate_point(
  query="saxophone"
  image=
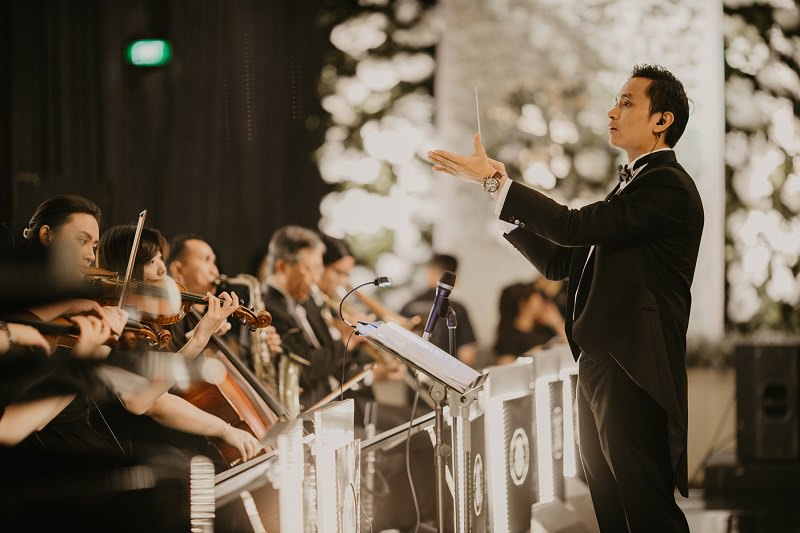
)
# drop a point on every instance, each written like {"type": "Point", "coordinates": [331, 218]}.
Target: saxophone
{"type": "Point", "coordinates": [289, 390]}
{"type": "Point", "coordinates": [259, 349]}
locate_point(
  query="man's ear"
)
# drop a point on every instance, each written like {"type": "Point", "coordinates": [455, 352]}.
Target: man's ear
{"type": "Point", "coordinates": [45, 235]}
{"type": "Point", "coordinates": [175, 271]}
{"type": "Point", "coordinates": [664, 122]}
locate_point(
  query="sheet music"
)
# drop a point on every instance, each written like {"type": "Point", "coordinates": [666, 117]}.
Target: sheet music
{"type": "Point", "coordinates": [423, 355]}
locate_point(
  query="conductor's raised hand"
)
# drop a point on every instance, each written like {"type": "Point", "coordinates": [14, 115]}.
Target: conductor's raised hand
{"type": "Point", "coordinates": [473, 167]}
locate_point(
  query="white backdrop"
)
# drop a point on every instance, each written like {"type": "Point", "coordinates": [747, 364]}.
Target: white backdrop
{"type": "Point", "coordinates": [497, 44]}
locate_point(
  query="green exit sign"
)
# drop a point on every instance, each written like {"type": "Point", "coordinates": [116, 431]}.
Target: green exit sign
{"type": "Point", "coordinates": [148, 53]}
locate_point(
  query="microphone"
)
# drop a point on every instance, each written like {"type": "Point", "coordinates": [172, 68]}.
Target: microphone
{"type": "Point", "coordinates": [380, 281]}
{"type": "Point", "coordinates": [441, 303]}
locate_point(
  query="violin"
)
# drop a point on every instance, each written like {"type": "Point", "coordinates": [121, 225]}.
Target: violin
{"type": "Point", "coordinates": [162, 302]}
{"type": "Point", "coordinates": [66, 333]}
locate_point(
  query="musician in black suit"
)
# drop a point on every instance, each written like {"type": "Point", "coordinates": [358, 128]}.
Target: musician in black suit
{"type": "Point", "coordinates": [294, 262]}
{"type": "Point", "coordinates": [630, 260]}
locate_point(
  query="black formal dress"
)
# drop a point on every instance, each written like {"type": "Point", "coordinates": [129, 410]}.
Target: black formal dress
{"type": "Point", "coordinates": [630, 260]}
{"type": "Point", "coordinates": [70, 431]}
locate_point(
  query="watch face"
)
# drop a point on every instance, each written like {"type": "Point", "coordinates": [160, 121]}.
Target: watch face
{"type": "Point", "coordinates": [491, 184]}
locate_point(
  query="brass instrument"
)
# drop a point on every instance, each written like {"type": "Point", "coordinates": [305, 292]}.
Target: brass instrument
{"type": "Point", "coordinates": [387, 315]}
{"type": "Point", "coordinates": [290, 367]}
{"type": "Point", "coordinates": [259, 349]}
{"type": "Point", "coordinates": [285, 383]}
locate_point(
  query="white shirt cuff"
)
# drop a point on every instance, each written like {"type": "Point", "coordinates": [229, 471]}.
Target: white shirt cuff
{"type": "Point", "coordinates": [501, 196]}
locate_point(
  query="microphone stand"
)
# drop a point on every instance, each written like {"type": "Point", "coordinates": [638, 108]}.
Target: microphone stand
{"type": "Point", "coordinates": [452, 323]}
{"type": "Point", "coordinates": [442, 451]}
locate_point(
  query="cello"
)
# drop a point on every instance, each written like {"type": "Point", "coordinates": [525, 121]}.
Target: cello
{"type": "Point", "coordinates": [239, 399]}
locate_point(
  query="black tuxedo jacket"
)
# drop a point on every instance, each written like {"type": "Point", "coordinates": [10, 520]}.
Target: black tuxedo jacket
{"type": "Point", "coordinates": [634, 297]}
{"type": "Point", "coordinates": [325, 360]}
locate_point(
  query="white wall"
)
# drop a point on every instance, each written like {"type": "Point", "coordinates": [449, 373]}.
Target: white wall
{"type": "Point", "coordinates": [498, 44]}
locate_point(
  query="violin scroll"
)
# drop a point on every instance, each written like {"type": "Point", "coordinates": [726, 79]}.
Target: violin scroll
{"type": "Point", "coordinates": [254, 320]}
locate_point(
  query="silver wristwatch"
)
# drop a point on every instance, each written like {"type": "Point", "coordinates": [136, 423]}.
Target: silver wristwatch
{"type": "Point", "coordinates": [492, 183]}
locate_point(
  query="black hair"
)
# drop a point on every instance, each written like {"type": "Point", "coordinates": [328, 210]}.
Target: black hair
{"type": "Point", "coordinates": [288, 241]}
{"type": "Point", "coordinates": [114, 249]}
{"type": "Point", "coordinates": [444, 262]}
{"type": "Point", "coordinates": [666, 93]}
{"type": "Point", "coordinates": [512, 299]}
{"type": "Point", "coordinates": [177, 246]}
{"type": "Point", "coordinates": [335, 249]}
{"type": "Point", "coordinates": [54, 213]}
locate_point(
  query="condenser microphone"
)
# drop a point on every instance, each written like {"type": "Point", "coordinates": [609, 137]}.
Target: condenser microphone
{"type": "Point", "coordinates": [441, 303]}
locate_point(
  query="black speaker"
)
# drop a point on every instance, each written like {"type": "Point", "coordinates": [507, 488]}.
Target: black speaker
{"type": "Point", "coordinates": [768, 402]}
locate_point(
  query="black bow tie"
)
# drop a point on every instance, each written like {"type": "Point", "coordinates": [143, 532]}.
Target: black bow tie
{"type": "Point", "coordinates": [624, 173]}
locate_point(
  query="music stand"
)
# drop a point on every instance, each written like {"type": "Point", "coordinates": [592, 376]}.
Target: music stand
{"type": "Point", "coordinates": [454, 384]}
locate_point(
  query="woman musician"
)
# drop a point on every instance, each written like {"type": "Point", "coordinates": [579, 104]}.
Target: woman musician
{"type": "Point", "coordinates": [64, 232]}
{"type": "Point", "coordinates": [168, 409]}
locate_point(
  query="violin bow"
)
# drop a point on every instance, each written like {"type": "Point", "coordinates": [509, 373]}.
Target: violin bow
{"type": "Point", "coordinates": [132, 259]}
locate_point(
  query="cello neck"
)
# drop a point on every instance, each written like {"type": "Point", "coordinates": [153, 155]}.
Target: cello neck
{"type": "Point", "coordinates": [276, 406]}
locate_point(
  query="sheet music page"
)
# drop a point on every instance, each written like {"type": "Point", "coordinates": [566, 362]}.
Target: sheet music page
{"type": "Point", "coordinates": [426, 356]}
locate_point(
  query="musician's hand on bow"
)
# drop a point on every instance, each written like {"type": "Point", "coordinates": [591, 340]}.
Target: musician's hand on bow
{"type": "Point", "coordinates": [94, 333]}
{"type": "Point", "coordinates": [472, 167]}
{"type": "Point", "coordinates": [115, 317]}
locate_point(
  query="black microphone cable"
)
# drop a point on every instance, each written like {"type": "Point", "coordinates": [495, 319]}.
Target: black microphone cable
{"type": "Point", "coordinates": [380, 281]}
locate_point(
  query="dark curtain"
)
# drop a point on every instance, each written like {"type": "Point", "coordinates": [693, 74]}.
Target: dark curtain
{"type": "Point", "coordinates": [219, 142]}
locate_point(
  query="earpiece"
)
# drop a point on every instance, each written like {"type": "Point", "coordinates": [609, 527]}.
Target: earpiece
{"type": "Point", "coordinates": [661, 121]}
